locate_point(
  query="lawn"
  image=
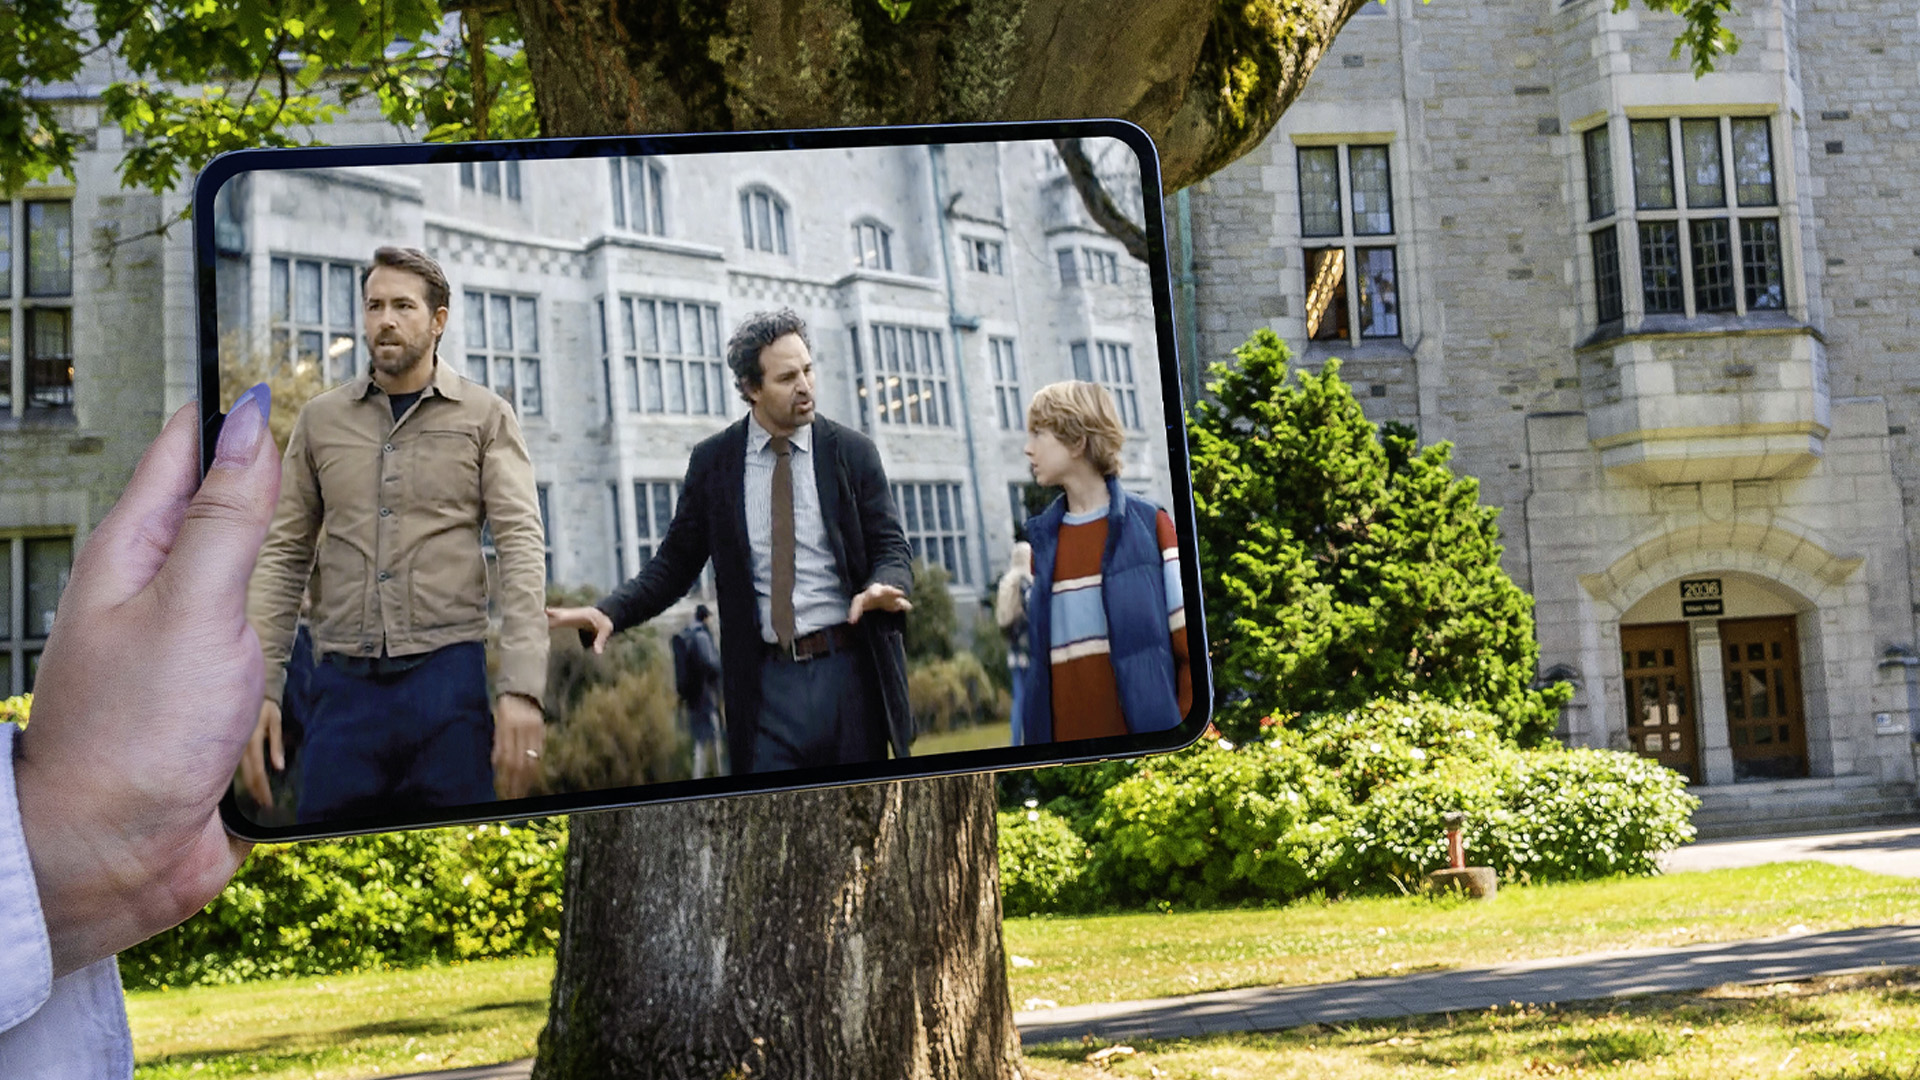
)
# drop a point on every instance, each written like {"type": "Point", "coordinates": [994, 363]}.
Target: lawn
{"type": "Point", "coordinates": [978, 737]}
{"type": "Point", "coordinates": [1854, 1027]}
{"type": "Point", "coordinates": [350, 1026]}
{"type": "Point", "coordinates": [339, 1026]}
{"type": "Point", "coordinates": [1124, 957]}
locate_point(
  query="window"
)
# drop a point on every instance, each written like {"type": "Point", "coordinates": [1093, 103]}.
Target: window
{"type": "Point", "coordinates": [1353, 280]}
{"type": "Point", "coordinates": [1704, 224]}
{"type": "Point", "coordinates": [653, 505]}
{"type": "Point", "coordinates": [639, 202]}
{"type": "Point", "coordinates": [546, 528]}
{"type": "Point", "coordinates": [909, 382]}
{"type": "Point", "coordinates": [36, 295]}
{"type": "Point", "coordinates": [619, 535]}
{"type": "Point", "coordinates": [1089, 266]}
{"type": "Point", "coordinates": [1006, 385]}
{"type": "Point", "coordinates": [313, 306]}
{"type": "Point", "coordinates": [1110, 363]}
{"type": "Point", "coordinates": [671, 357]}
{"type": "Point", "coordinates": [33, 574]}
{"type": "Point", "coordinates": [936, 527]}
{"type": "Point", "coordinates": [983, 256]}
{"type": "Point", "coordinates": [763, 221]}
{"type": "Point", "coordinates": [490, 175]}
{"type": "Point", "coordinates": [873, 246]}
{"type": "Point", "coordinates": [503, 347]}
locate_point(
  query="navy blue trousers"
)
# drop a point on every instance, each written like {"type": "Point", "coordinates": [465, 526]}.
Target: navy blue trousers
{"type": "Point", "coordinates": [818, 712]}
{"type": "Point", "coordinates": [381, 742]}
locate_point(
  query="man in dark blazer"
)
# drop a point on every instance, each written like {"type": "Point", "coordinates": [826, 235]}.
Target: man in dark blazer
{"type": "Point", "coordinates": [811, 564]}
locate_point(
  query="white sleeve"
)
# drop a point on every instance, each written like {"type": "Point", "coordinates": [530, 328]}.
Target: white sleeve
{"type": "Point", "coordinates": [71, 1028]}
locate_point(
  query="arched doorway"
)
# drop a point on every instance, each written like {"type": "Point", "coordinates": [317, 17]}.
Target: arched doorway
{"type": "Point", "coordinates": [1711, 671]}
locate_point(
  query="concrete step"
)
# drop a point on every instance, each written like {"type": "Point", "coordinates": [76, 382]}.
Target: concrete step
{"type": "Point", "coordinates": [1815, 804]}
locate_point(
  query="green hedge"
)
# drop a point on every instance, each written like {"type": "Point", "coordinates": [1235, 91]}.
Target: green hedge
{"type": "Point", "coordinates": [1341, 803]}
{"type": "Point", "coordinates": [392, 900]}
{"type": "Point", "coordinates": [1042, 862]}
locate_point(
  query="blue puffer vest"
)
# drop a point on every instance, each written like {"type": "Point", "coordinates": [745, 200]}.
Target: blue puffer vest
{"type": "Point", "coordinates": [1133, 590]}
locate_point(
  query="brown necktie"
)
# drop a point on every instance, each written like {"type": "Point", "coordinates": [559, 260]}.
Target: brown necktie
{"type": "Point", "coordinates": [783, 541]}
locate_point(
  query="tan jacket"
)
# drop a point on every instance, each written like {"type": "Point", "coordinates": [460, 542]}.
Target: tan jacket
{"type": "Point", "coordinates": [395, 511]}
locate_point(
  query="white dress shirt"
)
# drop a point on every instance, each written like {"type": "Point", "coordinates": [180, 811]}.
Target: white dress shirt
{"type": "Point", "coordinates": [70, 1028]}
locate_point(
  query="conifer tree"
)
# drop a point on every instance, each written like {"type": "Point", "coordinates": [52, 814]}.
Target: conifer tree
{"type": "Point", "coordinates": [1342, 563]}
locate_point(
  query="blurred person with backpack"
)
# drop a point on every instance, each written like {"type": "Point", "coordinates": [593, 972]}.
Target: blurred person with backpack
{"type": "Point", "coordinates": [696, 679]}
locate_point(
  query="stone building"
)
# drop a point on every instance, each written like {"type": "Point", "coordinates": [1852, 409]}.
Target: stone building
{"type": "Point", "coordinates": [1667, 321]}
{"type": "Point", "coordinates": [942, 286]}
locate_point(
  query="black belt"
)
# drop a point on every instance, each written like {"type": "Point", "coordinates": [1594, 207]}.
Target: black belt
{"type": "Point", "coordinates": [815, 645]}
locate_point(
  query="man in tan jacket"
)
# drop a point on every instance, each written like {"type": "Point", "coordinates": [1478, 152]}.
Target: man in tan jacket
{"type": "Point", "coordinates": [385, 486]}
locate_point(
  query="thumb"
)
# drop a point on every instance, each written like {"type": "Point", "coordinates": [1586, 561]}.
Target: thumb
{"type": "Point", "coordinates": [225, 523]}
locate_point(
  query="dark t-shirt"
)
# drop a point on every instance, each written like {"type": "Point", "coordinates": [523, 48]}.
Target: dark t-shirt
{"type": "Point", "coordinates": [402, 402]}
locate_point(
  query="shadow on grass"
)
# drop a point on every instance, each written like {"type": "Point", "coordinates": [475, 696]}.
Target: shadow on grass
{"type": "Point", "coordinates": [1573, 1036]}
{"type": "Point", "coordinates": [286, 1050]}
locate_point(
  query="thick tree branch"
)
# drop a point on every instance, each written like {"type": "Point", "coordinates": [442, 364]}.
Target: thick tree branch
{"type": "Point", "coordinates": [1099, 201]}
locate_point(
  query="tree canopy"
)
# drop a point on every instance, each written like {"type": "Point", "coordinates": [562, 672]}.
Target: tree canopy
{"type": "Point", "coordinates": [189, 79]}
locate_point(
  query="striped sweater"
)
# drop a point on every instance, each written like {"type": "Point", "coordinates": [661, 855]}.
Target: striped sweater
{"type": "Point", "coordinates": [1086, 698]}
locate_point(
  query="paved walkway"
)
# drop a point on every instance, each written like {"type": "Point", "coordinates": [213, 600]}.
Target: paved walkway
{"type": "Point", "coordinates": [1579, 978]}
{"type": "Point", "coordinates": [1882, 851]}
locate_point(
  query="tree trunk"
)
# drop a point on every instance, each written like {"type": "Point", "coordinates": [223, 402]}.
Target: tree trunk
{"type": "Point", "coordinates": [852, 932]}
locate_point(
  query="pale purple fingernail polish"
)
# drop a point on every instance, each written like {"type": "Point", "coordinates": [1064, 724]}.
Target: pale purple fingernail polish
{"type": "Point", "coordinates": [245, 423]}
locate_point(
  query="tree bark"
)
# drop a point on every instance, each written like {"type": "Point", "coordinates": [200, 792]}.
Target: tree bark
{"type": "Point", "coordinates": [1206, 78]}
{"type": "Point", "coordinates": [852, 932]}
{"type": "Point", "coordinates": [842, 933]}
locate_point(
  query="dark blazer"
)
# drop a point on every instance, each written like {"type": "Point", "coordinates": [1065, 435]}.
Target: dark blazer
{"type": "Point", "coordinates": [868, 545]}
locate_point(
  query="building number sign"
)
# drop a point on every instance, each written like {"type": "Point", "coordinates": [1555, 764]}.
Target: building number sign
{"type": "Point", "coordinates": [1701, 597]}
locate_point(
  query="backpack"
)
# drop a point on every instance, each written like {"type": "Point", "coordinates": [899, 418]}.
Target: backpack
{"type": "Point", "coordinates": [686, 682]}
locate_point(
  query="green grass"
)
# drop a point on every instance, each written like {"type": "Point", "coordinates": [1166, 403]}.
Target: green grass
{"type": "Point", "coordinates": [351, 1026]}
{"type": "Point", "coordinates": [1857, 1027]}
{"type": "Point", "coordinates": [1124, 957]}
{"type": "Point", "coordinates": [978, 737]}
{"type": "Point", "coordinates": [343, 1026]}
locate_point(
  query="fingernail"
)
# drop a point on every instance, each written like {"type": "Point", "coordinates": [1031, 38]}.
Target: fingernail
{"type": "Point", "coordinates": [245, 423]}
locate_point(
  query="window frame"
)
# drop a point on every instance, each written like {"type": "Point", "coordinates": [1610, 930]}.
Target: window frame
{"type": "Point", "coordinates": [946, 535]}
{"type": "Point", "coordinates": [529, 395]}
{"type": "Point", "coordinates": [881, 250]}
{"type": "Point", "coordinates": [907, 384]}
{"type": "Point", "coordinates": [1672, 258]}
{"type": "Point", "coordinates": [776, 241]}
{"type": "Point", "coordinates": [286, 328]}
{"type": "Point", "coordinates": [653, 192]}
{"type": "Point", "coordinates": [1356, 312]}
{"type": "Point", "coordinates": [20, 650]}
{"type": "Point", "coordinates": [1003, 363]}
{"type": "Point", "coordinates": [985, 256]}
{"type": "Point", "coordinates": [644, 375]}
{"type": "Point", "coordinates": [22, 392]}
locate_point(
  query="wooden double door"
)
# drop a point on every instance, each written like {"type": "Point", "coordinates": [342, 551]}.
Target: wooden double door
{"type": "Point", "coordinates": [1760, 676]}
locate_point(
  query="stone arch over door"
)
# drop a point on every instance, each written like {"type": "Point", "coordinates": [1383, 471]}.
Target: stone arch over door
{"type": "Point", "coordinates": [1831, 623]}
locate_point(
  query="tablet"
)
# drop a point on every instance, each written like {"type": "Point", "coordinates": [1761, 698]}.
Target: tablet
{"type": "Point", "coordinates": [630, 469]}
